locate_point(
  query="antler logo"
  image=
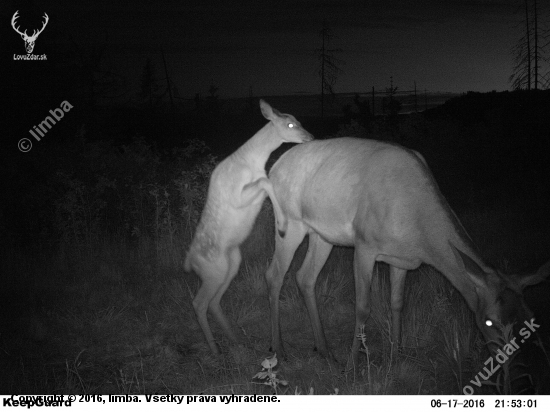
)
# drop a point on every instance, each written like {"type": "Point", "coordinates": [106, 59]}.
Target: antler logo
{"type": "Point", "coordinates": [29, 40]}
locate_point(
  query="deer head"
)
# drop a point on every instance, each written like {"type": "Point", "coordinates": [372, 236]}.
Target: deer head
{"type": "Point", "coordinates": [29, 40]}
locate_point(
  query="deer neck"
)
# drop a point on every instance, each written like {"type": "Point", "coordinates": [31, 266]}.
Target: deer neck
{"type": "Point", "coordinates": [468, 291]}
{"type": "Point", "coordinates": [259, 147]}
{"type": "Point", "coordinates": [459, 279]}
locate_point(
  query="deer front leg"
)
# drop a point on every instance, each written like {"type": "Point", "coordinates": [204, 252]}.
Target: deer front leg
{"type": "Point", "coordinates": [253, 190]}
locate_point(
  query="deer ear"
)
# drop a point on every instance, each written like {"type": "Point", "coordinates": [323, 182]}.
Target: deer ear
{"type": "Point", "coordinates": [475, 273]}
{"type": "Point", "coordinates": [266, 109]}
{"type": "Point", "coordinates": [534, 278]}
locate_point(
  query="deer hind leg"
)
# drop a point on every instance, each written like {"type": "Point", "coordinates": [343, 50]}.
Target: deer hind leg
{"type": "Point", "coordinates": [363, 264]}
{"type": "Point", "coordinates": [212, 274]}
{"type": "Point", "coordinates": [275, 274]}
{"type": "Point", "coordinates": [251, 192]}
{"type": "Point", "coordinates": [234, 261]}
{"type": "Point", "coordinates": [317, 254]}
{"type": "Point", "coordinates": [397, 280]}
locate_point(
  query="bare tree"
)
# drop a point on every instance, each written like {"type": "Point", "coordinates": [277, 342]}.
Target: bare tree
{"type": "Point", "coordinates": [172, 92]}
{"type": "Point", "coordinates": [149, 83]}
{"type": "Point", "coordinates": [529, 52]}
{"type": "Point", "coordinates": [330, 69]}
{"type": "Point", "coordinates": [394, 106]}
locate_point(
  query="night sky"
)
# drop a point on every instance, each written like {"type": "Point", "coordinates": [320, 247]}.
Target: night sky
{"type": "Point", "coordinates": [268, 47]}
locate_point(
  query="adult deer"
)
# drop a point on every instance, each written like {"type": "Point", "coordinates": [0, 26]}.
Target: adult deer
{"type": "Point", "coordinates": [238, 187]}
{"type": "Point", "coordinates": [383, 200]}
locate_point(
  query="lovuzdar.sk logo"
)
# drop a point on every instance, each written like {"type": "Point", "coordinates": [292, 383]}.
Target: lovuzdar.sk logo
{"type": "Point", "coordinates": [29, 40]}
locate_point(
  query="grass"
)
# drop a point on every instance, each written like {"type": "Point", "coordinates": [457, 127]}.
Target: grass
{"type": "Point", "coordinates": [114, 318]}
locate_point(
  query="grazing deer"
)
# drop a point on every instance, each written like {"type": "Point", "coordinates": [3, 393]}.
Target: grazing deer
{"type": "Point", "coordinates": [238, 187]}
{"type": "Point", "coordinates": [383, 200]}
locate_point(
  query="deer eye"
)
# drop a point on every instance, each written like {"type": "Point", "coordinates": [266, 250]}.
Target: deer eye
{"type": "Point", "coordinates": [488, 322]}
{"type": "Point", "coordinates": [291, 125]}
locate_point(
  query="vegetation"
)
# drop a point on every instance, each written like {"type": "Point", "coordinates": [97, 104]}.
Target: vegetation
{"type": "Point", "coordinates": [95, 233]}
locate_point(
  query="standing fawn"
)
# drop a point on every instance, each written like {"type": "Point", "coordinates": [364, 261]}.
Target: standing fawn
{"type": "Point", "coordinates": [238, 187]}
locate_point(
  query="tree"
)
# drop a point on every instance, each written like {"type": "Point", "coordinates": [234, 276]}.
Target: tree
{"type": "Point", "coordinates": [529, 52]}
{"type": "Point", "coordinates": [364, 115]}
{"type": "Point", "coordinates": [149, 83]}
{"type": "Point", "coordinates": [330, 69]}
{"type": "Point", "coordinates": [394, 106]}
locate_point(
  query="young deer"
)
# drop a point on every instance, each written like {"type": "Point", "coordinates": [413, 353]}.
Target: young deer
{"type": "Point", "coordinates": [383, 200]}
{"type": "Point", "coordinates": [238, 187]}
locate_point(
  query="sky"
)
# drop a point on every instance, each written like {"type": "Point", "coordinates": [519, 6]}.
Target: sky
{"type": "Point", "coordinates": [268, 47]}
